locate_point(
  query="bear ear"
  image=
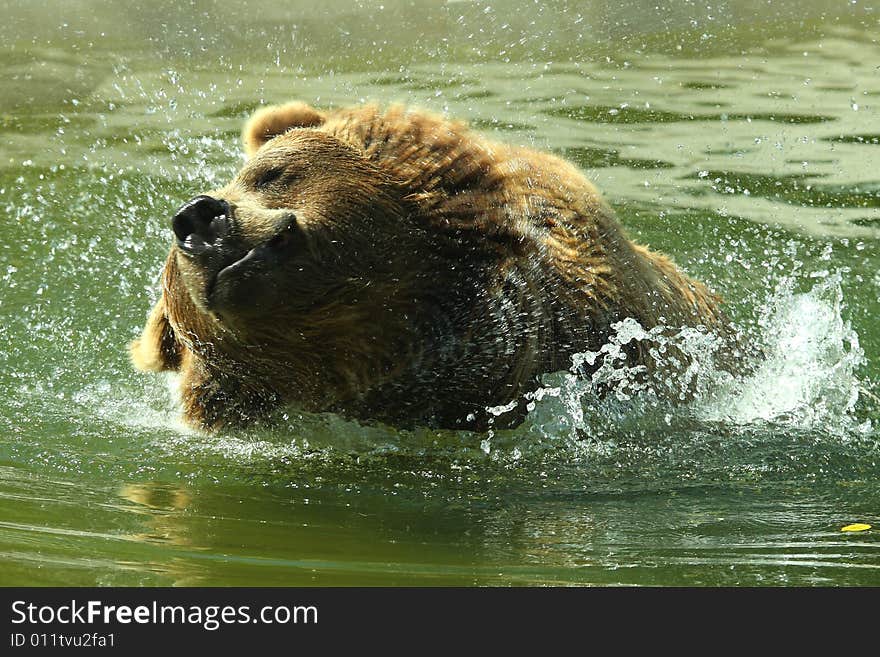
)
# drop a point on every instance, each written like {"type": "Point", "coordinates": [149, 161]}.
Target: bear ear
{"type": "Point", "coordinates": [157, 349]}
{"type": "Point", "coordinates": [269, 122]}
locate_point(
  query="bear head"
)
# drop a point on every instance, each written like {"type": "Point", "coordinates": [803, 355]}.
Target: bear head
{"type": "Point", "coordinates": [298, 275]}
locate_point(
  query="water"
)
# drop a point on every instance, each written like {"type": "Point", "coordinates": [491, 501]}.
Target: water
{"type": "Point", "coordinates": [740, 139]}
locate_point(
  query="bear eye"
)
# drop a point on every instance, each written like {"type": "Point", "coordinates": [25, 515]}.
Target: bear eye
{"type": "Point", "coordinates": [268, 177]}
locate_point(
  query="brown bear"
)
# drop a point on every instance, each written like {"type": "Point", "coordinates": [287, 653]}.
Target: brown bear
{"type": "Point", "coordinates": [392, 265]}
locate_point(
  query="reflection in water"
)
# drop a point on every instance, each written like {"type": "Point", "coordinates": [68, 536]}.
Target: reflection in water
{"type": "Point", "coordinates": [162, 507]}
{"type": "Point", "coordinates": [470, 525]}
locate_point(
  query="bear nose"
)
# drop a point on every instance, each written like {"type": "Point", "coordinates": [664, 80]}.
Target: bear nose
{"type": "Point", "coordinates": [199, 222]}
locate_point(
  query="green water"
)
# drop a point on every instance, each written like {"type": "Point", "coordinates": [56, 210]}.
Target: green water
{"type": "Point", "coordinates": [743, 139]}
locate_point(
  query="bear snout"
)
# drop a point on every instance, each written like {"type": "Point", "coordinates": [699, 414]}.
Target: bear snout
{"type": "Point", "coordinates": [247, 285]}
{"type": "Point", "coordinates": [199, 223]}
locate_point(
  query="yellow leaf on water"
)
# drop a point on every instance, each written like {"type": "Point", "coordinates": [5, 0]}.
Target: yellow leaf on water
{"type": "Point", "coordinates": [857, 527]}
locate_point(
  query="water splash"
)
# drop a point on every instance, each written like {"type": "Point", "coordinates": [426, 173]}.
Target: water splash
{"type": "Point", "coordinates": [806, 381]}
{"type": "Point", "coordinates": [151, 403]}
{"type": "Point", "coordinates": [809, 378]}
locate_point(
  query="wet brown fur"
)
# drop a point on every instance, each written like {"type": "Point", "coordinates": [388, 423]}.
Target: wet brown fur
{"type": "Point", "coordinates": [439, 273]}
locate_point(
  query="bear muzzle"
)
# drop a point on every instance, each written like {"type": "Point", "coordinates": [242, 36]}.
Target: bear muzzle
{"type": "Point", "coordinates": [245, 280]}
{"type": "Point", "coordinates": [200, 223]}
